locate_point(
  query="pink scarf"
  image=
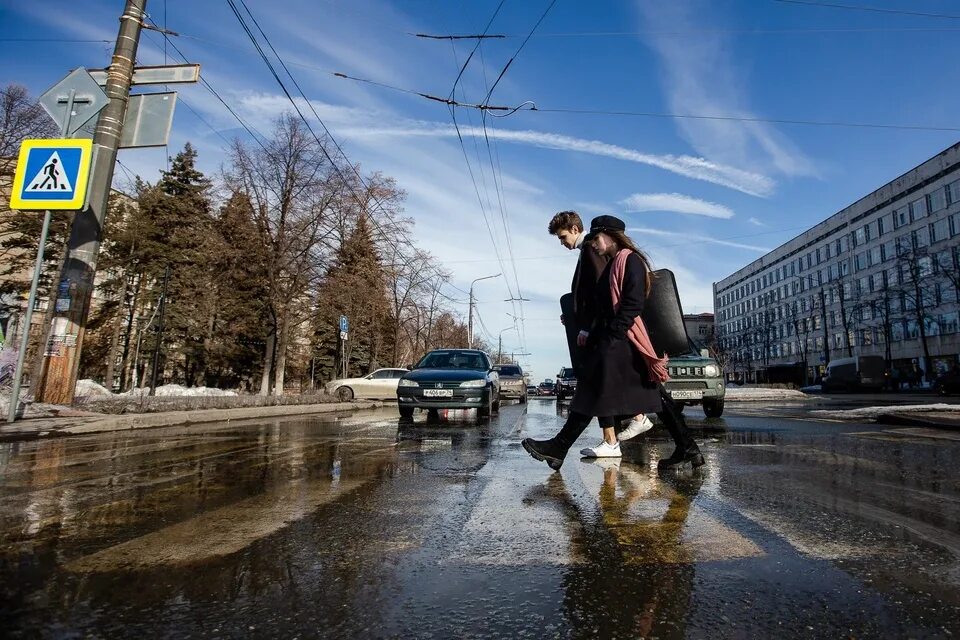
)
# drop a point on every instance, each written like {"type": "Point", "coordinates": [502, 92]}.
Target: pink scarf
{"type": "Point", "coordinates": [637, 333]}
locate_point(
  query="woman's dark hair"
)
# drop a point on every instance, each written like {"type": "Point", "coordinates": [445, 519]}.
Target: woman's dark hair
{"type": "Point", "coordinates": [624, 242]}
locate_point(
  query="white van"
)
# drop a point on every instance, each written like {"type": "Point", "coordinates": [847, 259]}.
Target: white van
{"type": "Point", "coordinates": [860, 373]}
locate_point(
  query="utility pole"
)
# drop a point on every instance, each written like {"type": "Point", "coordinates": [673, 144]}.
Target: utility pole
{"type": "Point", "coordinates": [60, 375]}
{"type": "Point", "coordinates": [470, 313]}
{"type": "Point", "coordinates": [500, 344]}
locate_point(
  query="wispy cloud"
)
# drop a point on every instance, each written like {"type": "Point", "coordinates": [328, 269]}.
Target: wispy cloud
{"type": "Point", "coordinates": [687, 239]}
{"type": "Point", "coordinates": [688, 166]}
{"type": "Point", "coordinates": [675, 203]}
{"type": "Point", "coordinates": [701, 76]}
{"type": "Point", "coordinates": [759, 223]}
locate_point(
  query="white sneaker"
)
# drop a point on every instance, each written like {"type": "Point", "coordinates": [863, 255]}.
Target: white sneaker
{"type": "Point", "coordinates": [602, 450]}
{"type": "Point", "coordinates": [635, 427]}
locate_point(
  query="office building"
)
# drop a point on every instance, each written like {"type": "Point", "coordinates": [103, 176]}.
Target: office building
{"type": "Point", "coordinates": [879, 277]}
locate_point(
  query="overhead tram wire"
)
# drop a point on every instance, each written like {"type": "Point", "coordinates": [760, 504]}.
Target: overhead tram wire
{"type": "Point", "coordinates": [466, 156]}
{"type": "Point", "coordinates": [254, 134]}
{"type": "Point", "coordinates": [497, 170]}
{"type": "Point", "coordinates": [451, 102]}
{"type": "Point", "coordinates": [486, 101]}
{"type": "Point", "coordinates": [656, 114]}
{"type": "Point", "coordinates": [330, 136]}
{"type": "Point", "coordinates": [443, 278]}
{"type": "Point", "coordinates": [859, 7]}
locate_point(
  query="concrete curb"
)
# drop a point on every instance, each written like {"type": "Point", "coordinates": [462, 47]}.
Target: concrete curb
{"type": "Point", "coordinates": [47, 427]}
{"type": "Point", "coordinates": [917, 420]}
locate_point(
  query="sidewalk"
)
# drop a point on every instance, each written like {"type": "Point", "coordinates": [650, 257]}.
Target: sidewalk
{"type": "Point", "coordinates": [29, 428]}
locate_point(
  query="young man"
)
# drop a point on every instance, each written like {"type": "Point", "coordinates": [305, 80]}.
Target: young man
{"type": "Point", "coordinates": [578, 307]}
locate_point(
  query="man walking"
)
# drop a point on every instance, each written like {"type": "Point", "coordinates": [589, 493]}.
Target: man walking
{"type": "Point", "coordinates": [578, 308]}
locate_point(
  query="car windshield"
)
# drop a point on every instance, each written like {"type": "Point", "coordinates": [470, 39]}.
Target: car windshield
{"type": "Point", "coordinates": [568, 373]}
{"type": "Point", "coordinates": [508, 370]}
{"type": "Point", "coordinates": [453, 360]}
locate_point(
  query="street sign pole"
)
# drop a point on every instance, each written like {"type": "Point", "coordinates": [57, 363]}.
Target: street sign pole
{"type": "Point", "coordinates": [37, 270]}
{"type": "Point", "coordinates": [59, 377]}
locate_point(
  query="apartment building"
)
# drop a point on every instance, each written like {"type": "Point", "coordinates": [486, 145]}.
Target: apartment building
{"type": "Point", "coordinates": [879, 277]}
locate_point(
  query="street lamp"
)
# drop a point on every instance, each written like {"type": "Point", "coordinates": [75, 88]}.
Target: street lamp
{"type": "Point", "coordinates": [470, 313]}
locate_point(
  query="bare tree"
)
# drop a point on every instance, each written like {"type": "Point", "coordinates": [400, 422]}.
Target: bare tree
{"type": "Point", "coordinates": [918, 286]}
{"type": "Point", "coordinates": [292, 188]}
{"type": "Point", "coordinates": [21, 118]}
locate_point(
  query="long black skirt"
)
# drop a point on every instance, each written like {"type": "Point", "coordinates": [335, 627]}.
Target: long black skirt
{"type": "Point", "coordinates": [615, 382]}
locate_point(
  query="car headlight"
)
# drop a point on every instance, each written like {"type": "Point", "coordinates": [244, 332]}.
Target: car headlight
{"type": "Point", "coordinates": [711, 371]}
{"type": "Point", "coordinates": [474, 383]}
{"type": "Point", "coordinates": [407, 383]}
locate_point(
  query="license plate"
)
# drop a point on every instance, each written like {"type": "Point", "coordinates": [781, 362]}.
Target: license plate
{"type": "Point", "coordinates": [438, 393]}
{"type": "Point", "coordinates": [686, 395]}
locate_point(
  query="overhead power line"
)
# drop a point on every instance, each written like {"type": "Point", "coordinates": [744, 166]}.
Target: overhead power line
{"type": "Point", "coordinates": [530, 106]}
{"type": "Point", "coordinates": [858, 7]}
{"type": "Point", "coordinates": [335, 165]}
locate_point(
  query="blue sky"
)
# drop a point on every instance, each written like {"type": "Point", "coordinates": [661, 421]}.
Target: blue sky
{"type": "Point", "coordinates": [703, 197]}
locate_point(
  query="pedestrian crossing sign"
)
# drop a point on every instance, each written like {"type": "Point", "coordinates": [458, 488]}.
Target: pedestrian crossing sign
{"type": "Point", "coordinates": [51, 174]}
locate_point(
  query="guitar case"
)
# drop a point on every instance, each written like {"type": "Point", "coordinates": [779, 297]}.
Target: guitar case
{"type": "Point", "coordinates": [663, 315]}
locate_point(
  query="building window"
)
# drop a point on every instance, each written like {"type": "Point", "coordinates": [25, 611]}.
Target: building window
{"type": "Point", "coordinates": [940, 230]}
{"type": "Point", "coordinates": [901, 217]}
{"type": "Point", "coordinates": [953, 192]}
{"type": "Point", "coordinates": [920, 238]}
{"type": "Point", "coordinates": [918, 208]}
{"type": "Point", "coordinates": [949, 322]}
{"type": "Point", "coordinates": [860, 261]}
{"type": "Point", "coordinates": [866, 337]}
{"type": "Point", "coordinates": [882, 226]}
{"type": "Point", "coordinates": [936, 200]}
{"type": "Point", "coordinates": [876, 255]}
{"type": "Point", "coordinates": [896, 331]}
{"type": "Point", "coordinates": [859, 236]}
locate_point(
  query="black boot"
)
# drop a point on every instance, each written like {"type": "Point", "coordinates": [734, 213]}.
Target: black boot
{"type": "Point", "coordinates": [548, 451]}
{"type": "Point", "coordinates": [554, 450]}
{"type": "Point", "coordinates": [687, 451]}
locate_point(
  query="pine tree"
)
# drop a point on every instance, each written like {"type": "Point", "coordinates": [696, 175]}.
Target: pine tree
{"type": "Point", "coordinates": [354, 286]}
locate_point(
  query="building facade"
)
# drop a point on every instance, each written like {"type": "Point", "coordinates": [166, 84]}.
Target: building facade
{"type": "Point", "coordinates": [879, 277]}
{"type": "Point", "coordinates": [700, 327]}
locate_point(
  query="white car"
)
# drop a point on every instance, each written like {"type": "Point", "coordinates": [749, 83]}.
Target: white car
{"type": "Point", "coordinates": [379, 385]}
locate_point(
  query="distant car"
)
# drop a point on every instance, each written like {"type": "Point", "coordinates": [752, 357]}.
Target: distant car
{"type": "Point", "coordinates": [947, 384]}
{"type": "Point", "coordinates": [379, 385]}
{"type": "Point", "coordinates": [532, 390]}
{"type": "Point", "coordinates": [450, 379]}
{"type": "Point", "coordinates": [512, 384]}
{"type": "Point", "coordinates": [566, 383]}
{"type": "Point", "coordinates": [545, 388]}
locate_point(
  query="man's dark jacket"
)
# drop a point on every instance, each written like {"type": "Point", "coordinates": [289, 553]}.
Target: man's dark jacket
{"type": "Point", "coordinates": [579, 307]}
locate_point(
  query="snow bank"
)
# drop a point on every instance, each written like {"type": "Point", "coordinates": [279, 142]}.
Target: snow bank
{"type": "Point", "coordinates": [90, 390]}
{"type": "Point", "coordinates": [178, 390]}
{"type": "Point", "coordinates": [874, 412]}
{"type": "Point", "coordinates": [754, 394]}
{"type": "Point", "coordinates": [87, 388]}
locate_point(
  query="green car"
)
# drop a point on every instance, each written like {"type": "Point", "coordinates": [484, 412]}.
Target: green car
{"type": "Point", "coordinates": [696, 378]}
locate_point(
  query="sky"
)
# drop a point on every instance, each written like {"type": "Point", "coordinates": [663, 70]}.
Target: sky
{"type": "Point", "coordinates": [611, 81]}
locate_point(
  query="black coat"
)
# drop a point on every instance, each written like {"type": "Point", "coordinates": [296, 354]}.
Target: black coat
{"type": "Point", "coordinates": [584, 286]}
{"type": "Point", "coordinates": [579, 307]}
{"type": "Point", "coordinates": [615, 381]}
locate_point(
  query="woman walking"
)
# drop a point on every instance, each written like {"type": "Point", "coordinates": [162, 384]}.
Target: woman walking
{"type": "Point", "coordinates": [619, 380]}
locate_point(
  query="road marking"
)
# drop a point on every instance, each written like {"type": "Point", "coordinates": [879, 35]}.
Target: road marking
{"type": "Point", "coordinates": [216, 533]}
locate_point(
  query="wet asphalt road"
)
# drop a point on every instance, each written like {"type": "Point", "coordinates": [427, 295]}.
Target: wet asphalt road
{"type": "Point", "coordinates": [360, 527]}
